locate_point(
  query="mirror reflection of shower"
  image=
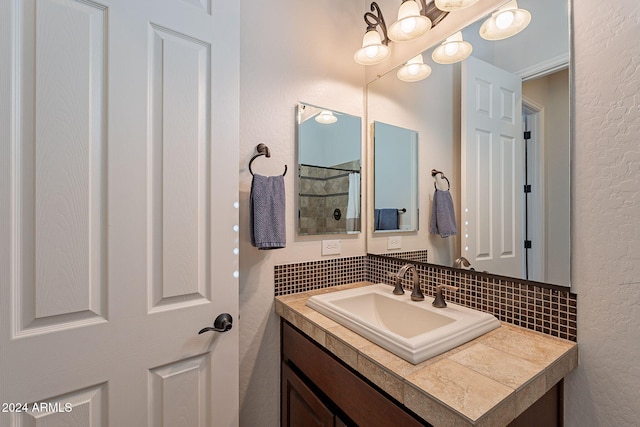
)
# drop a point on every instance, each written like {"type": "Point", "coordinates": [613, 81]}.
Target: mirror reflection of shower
{"type": "Point", "coordinates": [329, 166]}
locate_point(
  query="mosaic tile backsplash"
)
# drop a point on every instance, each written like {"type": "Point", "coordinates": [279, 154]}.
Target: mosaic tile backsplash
{"type": "Point", "coordinates": [541, 307]}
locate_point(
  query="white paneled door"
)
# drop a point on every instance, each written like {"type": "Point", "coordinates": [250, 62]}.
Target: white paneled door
{"type": "Point", "coordinates": [492, 168]}
{"type": "Point", "coordinates": [118, 167]}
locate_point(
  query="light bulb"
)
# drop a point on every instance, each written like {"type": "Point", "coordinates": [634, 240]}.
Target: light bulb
{"type": "Point", "coordinates": [408, 25]}
{"type": "Point", "coordinates": [504, 19]}
{"type": "Point", "coordinates": [371, 51]}
{"type": "Point", "coordinates": [326, 117]}
{"type": "Point", "coordinates": [508, 21]}
{"type": "Point", "coordinates": [413, 69]}
{"type": "Point", "coordinates": [450, 49]}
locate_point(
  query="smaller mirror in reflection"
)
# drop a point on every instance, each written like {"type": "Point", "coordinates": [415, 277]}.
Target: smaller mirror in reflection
{"type": "Point", "coordinates": [329, 165]}
{"type": "Point", "coordinates": [395, 178]}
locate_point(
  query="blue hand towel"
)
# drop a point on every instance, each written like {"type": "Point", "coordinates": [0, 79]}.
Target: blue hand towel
{"type": "Point", "coordinates": [387, 219]}
{"type": "Point", "coordinates": [267, 212]}
{"type": "Point", "coordinates": [443, 216]}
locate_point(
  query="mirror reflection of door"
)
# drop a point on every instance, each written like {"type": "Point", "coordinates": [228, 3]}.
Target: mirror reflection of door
{"type": "Point", "coordinates": [494, 237]}
{"type": "Point", "coordinates": [492, 164]}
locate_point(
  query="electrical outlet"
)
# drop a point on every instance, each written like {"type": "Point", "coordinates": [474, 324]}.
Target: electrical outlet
{"type": "Point", "coordinates": [394, 242]}
{"type": "Point", "coordinates": [331, 247]}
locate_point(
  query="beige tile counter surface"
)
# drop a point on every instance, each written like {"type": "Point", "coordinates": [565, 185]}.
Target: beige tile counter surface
{"type": "Point", "coordinates": [486, 382]}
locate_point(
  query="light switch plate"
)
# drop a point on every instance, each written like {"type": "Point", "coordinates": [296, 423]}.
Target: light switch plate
{"type": "Point", "coordinates": [331, 247]}
{"type": "Point", "coordinates": [394, 242]}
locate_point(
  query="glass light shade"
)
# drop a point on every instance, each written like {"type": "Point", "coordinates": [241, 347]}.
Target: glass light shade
{"type": "Point", "coordinates": [506, 22]}
{"type": "Point", "coordinates": [453, 5]}
{"type": "Point", "coordinates": [372, 50]}
{"type": "Point", "coordinates": [410, 24]}
{"type": "Point", "coordinates": [414, 70]}
{"type": "Point", "coordinates": [452, 50]}
{"type": "Point", "coordinates": [326, 117]}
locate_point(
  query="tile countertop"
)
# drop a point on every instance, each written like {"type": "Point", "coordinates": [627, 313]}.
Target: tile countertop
{"type": "Point", "coordinates": [486, 382]}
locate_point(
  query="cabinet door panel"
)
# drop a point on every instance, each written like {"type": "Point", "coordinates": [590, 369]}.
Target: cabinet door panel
{"type": "Point", "coordinates": [300, 406]}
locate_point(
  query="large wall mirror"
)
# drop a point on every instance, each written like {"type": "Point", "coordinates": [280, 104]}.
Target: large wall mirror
{"type": "Point", "coordinates": [511, 194]}
{"type": "Point", "coordinates": [329, 166]}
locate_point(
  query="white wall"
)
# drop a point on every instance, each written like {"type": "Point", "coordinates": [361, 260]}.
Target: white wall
{"type": "Point", "coordinates": [604, 390]}
{"type": "Point", "coordinates": [330, 144]}
{"type": "Point", "coordinates": [291, 51]}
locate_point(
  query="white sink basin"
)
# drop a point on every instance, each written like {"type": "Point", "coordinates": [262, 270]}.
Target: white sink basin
{"type": "Point", "coordinates": [415, 331]}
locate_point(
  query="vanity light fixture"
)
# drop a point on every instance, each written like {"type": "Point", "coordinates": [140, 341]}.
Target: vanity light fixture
{"type": "Point", "coordinates": [411, 24]}
{"type": "Point", "coordinates": [374, 48]}
{"type": "Point", "coordinates": [505, 22]}
{"type": "Point", "coordinates": [453, 5]}
{"type": "Point", "coordinates": [414, 70]}
{"type": "Point", "coordinates": [452, 50]}
{"type": "Point", "coordinates": [326, 117]}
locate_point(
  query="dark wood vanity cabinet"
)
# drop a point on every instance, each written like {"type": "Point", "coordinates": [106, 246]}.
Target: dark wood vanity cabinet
{"type": "Point", "coordinates": [301, 406]}
{"type": "Point", "coordinates": [320, 390]}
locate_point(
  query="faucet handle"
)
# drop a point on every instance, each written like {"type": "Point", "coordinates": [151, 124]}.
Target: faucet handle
{"type": "Point", "coordinates": [439, 301]}
{"type": "Point", "coordinates": [397, 290]}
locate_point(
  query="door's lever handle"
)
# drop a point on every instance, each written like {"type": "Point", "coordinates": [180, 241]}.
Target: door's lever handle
{"type": "Point", "coordinates": [223, 323]}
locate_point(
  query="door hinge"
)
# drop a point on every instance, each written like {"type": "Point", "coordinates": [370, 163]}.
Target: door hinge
{"type": "Point", "coordinates": [527, 188]}
{"type": "Point", "coordinates": [527, 134]}
{"type": "Point", "coordinates": [527, 244]}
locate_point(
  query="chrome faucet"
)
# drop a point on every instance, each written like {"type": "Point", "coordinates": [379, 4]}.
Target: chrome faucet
{"type": "Point", "coordinates": [459, 262]}
{"type": "Point", "coordinates": [416, 295]}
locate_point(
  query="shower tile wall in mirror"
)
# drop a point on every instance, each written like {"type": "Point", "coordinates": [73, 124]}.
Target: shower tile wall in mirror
{"type": "Point", "coordinates": [329, 169]}
{"type": "Point", "coordinates": [487, 166]}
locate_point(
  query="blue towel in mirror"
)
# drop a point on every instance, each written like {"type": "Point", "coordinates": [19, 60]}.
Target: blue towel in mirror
{"type": "Point", "coordinates": [443, 216]}
{"type": "Point", "coordinates": [267, 212]}
{"type": "Point", "coordinates": [387, 219]}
